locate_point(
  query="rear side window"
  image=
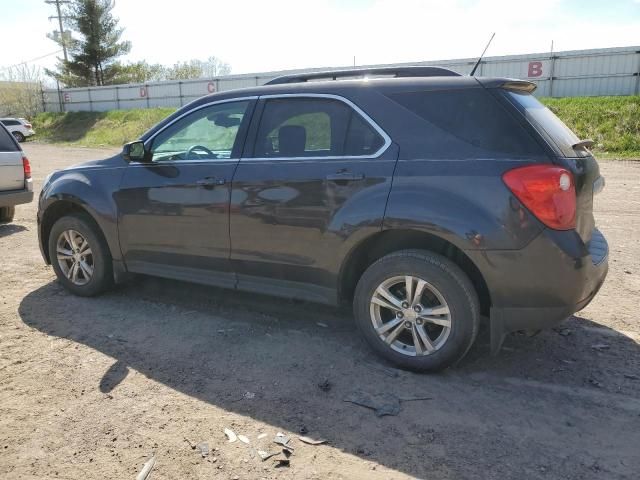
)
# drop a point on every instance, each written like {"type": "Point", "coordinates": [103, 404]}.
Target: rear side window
{"type": "Point", "coordinates": [541, 117]}
{"type": "Point", "coordinates": [7, 144]}
{"type": "Point", "coordinates": [314, 127]}
{"type": "Point", "coordinates": [10, 123]}
{"type": "Point", "coordinates": [466, 124]}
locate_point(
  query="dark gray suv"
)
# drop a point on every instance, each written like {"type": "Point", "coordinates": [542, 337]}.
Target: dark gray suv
{"type": "Point", "coordinates": [424, 198]}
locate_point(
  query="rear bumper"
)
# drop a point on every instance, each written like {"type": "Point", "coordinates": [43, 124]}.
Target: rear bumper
{"type": "Point", "coordinates": [537, 287]}
{"type": "Point", "coordinates": [9, 199]}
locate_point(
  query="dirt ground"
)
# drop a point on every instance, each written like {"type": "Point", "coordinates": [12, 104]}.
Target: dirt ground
{"type": "Point", "coordinates": [91, 388]}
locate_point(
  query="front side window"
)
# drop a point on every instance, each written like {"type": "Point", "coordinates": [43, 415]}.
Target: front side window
{"type": "Point", "coordinates": [314, 127]}
{"type": "Point", "coordinates": [207, 134]}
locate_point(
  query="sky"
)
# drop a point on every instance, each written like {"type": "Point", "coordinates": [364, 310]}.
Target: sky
{"type": "Point", "coordinates": [256, 36]}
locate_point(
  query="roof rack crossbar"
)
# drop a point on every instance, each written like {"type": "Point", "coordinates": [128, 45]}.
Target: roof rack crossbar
{"type": "Point", "coordinates": [356, 72]}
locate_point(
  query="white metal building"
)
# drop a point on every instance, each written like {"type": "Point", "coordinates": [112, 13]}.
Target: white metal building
{"type": "Point", "coordinates": [605, 71]}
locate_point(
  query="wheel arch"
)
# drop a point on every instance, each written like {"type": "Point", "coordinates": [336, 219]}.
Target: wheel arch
{"type": "Point", "coordinates": [59, 209]}
{"type": "Point", "coordinates": [376, 246]}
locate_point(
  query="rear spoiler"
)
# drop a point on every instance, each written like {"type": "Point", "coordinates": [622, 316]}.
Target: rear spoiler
{"type": "Point", "coordinates": [519, 86]}
{"type": "Point", "coordinates": [587, 143]}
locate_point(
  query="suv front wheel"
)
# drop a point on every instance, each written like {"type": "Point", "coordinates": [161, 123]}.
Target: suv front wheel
{"type": "Point", "coordinates": [417, 309]}
{"type": "Point", "coordinates": [80, 256]}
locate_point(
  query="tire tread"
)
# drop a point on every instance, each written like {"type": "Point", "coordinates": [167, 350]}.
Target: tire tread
{"type": "Point", "coordinates": [7, 214]}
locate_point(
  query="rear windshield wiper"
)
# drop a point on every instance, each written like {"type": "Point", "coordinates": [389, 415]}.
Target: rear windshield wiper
{"type": "Point", "coordinates": [588, 143]}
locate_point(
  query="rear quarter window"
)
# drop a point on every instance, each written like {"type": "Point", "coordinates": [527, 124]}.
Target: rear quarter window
{"type": "Point", "coordinates": [544, 119]}
{"type": "Point", "coordinates": [7, 143]}
{"type": "Point", "coordinates": [466, 124]}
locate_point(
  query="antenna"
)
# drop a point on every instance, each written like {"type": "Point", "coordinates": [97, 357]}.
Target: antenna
{"type": "Point", "coordinates": [475, 67]}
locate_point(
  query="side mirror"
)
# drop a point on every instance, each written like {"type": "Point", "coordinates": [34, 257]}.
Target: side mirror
{"type": "Point", "coordinates": [224, 120]}
{"type": "Point", "coordinates": [135, 152]}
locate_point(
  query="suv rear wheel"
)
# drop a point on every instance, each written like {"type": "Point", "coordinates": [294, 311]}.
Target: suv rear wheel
{"type": "Point", "coordinates": [80, 256]}
{"type": "Point", "coordinates": [417, 309]}
{"type": "Point", "coordinates": [18, 136]}
{"type": "Point", "coordinates": [7, 214]}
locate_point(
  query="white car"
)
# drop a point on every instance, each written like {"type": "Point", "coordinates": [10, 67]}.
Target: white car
{"type": "Point", "coordinates": [20, 128]}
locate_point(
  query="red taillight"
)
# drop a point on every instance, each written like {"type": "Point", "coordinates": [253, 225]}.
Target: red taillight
{"type": "Point", "coordinates": [28, 125]}
{"type": "Point", "coordinates": [26, 167]}
{"type": "Point", "coordinates": [547, 191]}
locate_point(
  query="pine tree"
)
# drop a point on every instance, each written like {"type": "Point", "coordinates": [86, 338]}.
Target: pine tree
{"type": "Point", "coordinates": [94, 48]}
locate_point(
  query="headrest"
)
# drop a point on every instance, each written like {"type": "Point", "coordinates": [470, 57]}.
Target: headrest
{"type": "Point", "coordinates": [292, 140]}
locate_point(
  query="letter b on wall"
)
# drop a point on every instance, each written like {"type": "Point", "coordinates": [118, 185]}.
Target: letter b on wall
{"type": "Point", "coordinates": [535, 69]}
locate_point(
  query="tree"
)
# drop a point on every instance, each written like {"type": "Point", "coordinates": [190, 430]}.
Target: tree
{"type": "Point", "coordinates": [214, 67]}
{"type": "Point", "coordinates": [20, 91]}
{"type": "Point", "coordinates": [185, 70]}
{"type": "Point", "coordinates": [96, 47]}
{"type": "Point", "coordinates": [138, 72]}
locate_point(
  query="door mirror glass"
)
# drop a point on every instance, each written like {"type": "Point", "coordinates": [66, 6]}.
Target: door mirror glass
{"type": "Point", "coordinates": [134, 151]}
{"type": "Point", "coordinates": [226, 119]}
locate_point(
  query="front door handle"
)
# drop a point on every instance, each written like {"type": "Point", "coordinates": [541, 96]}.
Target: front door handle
{"type": "Point", "coordinates": [345, 176]}
{"type": "Point", "coordinates": [210, 182]}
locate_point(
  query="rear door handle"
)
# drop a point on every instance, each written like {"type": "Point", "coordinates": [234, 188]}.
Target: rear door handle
{"type": "Point", "coordinates": [345, 177]}
{"type": "Point", "coordinates": [210, 182]}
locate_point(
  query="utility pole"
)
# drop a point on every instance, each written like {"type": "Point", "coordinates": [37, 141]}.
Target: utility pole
{"type": "Point", "coordinates": [59, 17]}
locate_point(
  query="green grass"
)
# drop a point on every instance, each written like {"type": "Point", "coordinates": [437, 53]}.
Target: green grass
{"type": "Point", "coordinates": [97, 129]}
{"type": "Point", "coordinates": [612, 122]}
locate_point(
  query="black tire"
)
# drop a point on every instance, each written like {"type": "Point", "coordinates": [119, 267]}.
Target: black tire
{"type": "Point", "coordinates": [7, 214]}
{"type": "Point", "coordinates": [19, 137]}
{"type": "Point", "coordinates": [453, 285]}
{"type": "Point", "coordinates": [102, 277]}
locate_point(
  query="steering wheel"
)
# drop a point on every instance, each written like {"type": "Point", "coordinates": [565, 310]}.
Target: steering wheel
{"type": "Point", "coordinates": [193, 148]}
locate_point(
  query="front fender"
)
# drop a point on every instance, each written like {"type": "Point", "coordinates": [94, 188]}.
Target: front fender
{"type": "Point", "coordinates": [91, 190]}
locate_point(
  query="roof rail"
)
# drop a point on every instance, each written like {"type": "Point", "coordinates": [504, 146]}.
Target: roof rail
{"type": "Point", "coordinates": [356, 72]}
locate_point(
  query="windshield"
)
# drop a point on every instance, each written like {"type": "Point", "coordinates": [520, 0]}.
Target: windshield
{"type": "Point", "coordinates": [541, 117]}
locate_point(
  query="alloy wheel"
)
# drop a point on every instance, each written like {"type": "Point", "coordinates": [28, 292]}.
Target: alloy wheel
{"type": "Point", "coordinates": [410, 315]}
{"type": "Point", "coordinates": [75, 257]}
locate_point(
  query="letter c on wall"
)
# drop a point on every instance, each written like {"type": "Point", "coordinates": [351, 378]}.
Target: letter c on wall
{"type": "Point", "coordinates": [211, 87]}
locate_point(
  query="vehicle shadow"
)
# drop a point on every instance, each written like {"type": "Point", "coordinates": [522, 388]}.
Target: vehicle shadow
{"type": "Point", "coordinates": [216, 345]}
{"type": "Point", "coordinates": [7, 229]}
